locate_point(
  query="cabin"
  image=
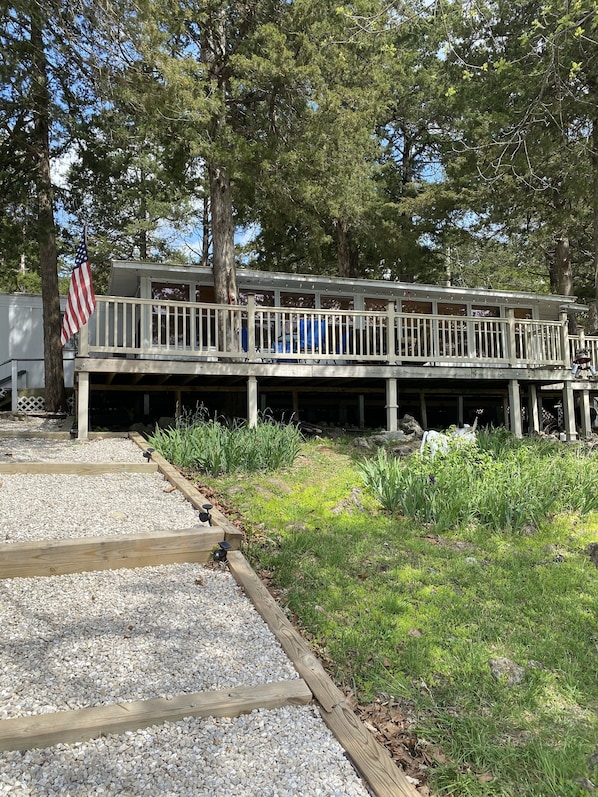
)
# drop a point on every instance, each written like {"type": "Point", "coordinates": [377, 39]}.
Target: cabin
{"type": "Point", "coordinates": [354, 353]}
{"type": "Point", "coordinates": [327, 350]}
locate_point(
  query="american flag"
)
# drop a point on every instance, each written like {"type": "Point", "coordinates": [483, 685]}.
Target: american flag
{"type": "Point", "coordinates": [81, 299]}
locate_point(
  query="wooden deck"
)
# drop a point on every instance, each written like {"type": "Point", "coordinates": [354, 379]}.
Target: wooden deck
{"type": "Point", "coordinates": [193, 350]}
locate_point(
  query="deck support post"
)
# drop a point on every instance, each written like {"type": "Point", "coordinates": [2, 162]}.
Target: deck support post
{"type": "Point", "coordinates": [295, 396]}
{"type": "Point", "coordinates": [252, 401]}
{"type": "Point", "coordinates": [569, 412]}
{"type": "Point", "coordinates": [83, 405]}
{"type": "Point", "coordinates": [361, 403]}
{"type": "Point", "coordinates": [515, 408]}
{"type": "Point", "coordinates": [534, 410]}
{"type": "Point", "coordinates": [584, 407]}
{"type": "Point", "coordinates": [423, 410]}
{"type": "Point", "coordinates": [392, 406]}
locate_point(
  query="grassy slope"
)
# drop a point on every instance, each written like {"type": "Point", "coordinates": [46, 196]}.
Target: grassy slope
{"type": "Point", "coordinates": [393, 607]}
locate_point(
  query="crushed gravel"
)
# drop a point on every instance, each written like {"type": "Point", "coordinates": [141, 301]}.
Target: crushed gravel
{"type": "Point", "coordinates": [66, 506]}
{"type": "Point", "coordinates": [286, 752]}
{"type": "Point", "coordinates": [129, 635]}
{"type": "Point", "coordinates": [112, 636]}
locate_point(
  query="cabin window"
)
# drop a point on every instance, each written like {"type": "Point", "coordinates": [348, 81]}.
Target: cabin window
{"type": "Point", "coordinates": [447, 308]}
{"type": "Point", "coordinates": [171, 292]}
{"type": "Point", "coordinates": [376, 305]}
{"type": "Point", "coordinates": [337, 303]}
{"type": "Point", "coordinates": [171, 325]}
{"type": "Point", "coordinates": [416, 333]}
{"type": "Point", "coordinates": [262, 298]}
{"type": "Point", "coordinates": [524, 313]}
{"type": "Point", "coordinates": [522, 341]}
{"type": "Point", "coordinates": [453, 339]}
{"type": "Point", "coordinates": [483, 311]}
{"type": "Point", "coordinates": [412, 306]}
{"type": "Point", "coordinates": [205, 294]}
{"type": "Point", "coordinates": [488, 334]}
{"type": "Point", "coordinates": [307, 300]}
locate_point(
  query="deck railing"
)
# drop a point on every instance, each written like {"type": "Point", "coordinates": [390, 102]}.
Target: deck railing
{"type": "Point", "coordinates": [150, 328]}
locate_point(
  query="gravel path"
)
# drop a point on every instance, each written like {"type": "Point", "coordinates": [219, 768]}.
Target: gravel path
{"type": "Point", "coordinates": [112, 636]}
{"type": "Point", "coordinates": [129, 635]}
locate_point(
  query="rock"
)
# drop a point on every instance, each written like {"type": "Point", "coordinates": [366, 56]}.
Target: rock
{"type": "Point", "coordinates": [506, 671]}
{"type": "Point", "coordinates": [166, 423]}
{"type": "Point", "coordinates": [404, 451]}
{"type": "Point", "coordinates": [362, 442]}
{"type": "Point", "coordinates": [586, 785]}
{"type": "Point", "coordinates": [592, 551]}
{"type": "Point", "coordinates": [409, 425]}
{"type": "Point", "coordinates": [350, 504]}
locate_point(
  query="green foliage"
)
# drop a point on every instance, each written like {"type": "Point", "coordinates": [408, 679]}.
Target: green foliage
{"type": "Point", "coordinates": [398, 610]}
{"type": "Point", "coordinates": [520, 76]}
{"type": "Point", "coordinates": [497, 482]}
{"type": "Point", "coordinates": [215, 446]}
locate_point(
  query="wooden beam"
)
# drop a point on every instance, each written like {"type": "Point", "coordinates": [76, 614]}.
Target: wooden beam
{"type": "Point", "coordinates": [372, 760]}
{"type": "Point", "coordinates": [109, 552]}
{"type": "Point", "coordinates": [17, 434]}
{"type": "Point", "coordinates": [77, 468]}
{"type": "Point", "coordinates": [65, 727]}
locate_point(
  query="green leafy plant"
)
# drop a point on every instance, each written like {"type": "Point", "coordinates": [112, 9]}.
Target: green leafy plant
{"type": "Point", "coordinates": [215, 445]}
{"type": "Point", "coordinates": [497, 482]}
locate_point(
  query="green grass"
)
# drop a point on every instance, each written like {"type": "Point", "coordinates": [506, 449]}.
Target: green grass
{"type": "Point", "coordinates": [415, 606]}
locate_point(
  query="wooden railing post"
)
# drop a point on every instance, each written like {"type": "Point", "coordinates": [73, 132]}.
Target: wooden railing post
{"type": "Point", "coordinates": [565, 340]}
{"type": "Point", "coordinates": [511, 341]}
{"type": "Point", "coordinates": [391, 346]}
{"type": "Point", "coordinates": [14, 385]}
{"type": "Point", "coordinates": [84, 340]}
{"type": "Point", "coordinates": [251, 327]}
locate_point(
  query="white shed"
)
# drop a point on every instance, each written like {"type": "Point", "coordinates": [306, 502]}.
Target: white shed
{"type": "Point", "coordinates": [22, 343]}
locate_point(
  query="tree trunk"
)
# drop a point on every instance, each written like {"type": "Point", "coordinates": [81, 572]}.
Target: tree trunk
{"type": "Point", "coordinates": [347, 256]}
{"type": "Point", "coordinates": [593, 316]}
{"type": "Point", "coordinates": [223, 237]}
{"type": "Point", "coordinates": [143, 217]}
{"type": "Point", "coordinates": [214, 54]}
{"type": "Point", "coordinates": [562, 277]}
{"type": "Point", "coordinates": [342, 248]}
{"type": "Point", "coordinates": [55, 398]}
{"type": "Point", "coordinates": [205, 226]}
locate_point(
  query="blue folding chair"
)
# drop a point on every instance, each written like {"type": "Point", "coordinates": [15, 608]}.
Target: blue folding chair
{"type": "Point", "coordinates": [312, 335]}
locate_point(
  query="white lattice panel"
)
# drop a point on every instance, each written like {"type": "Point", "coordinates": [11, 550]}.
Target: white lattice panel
{"type": "Point", "coordinates": [31, 404]}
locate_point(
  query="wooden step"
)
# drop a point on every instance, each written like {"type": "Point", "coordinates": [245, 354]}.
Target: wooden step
{"type": "Point", "coordinates": [110, 552]}
{"type": "Point", "coordinates": [77, 468]}
{"type": "Point", "coordinates": [44, 730]}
